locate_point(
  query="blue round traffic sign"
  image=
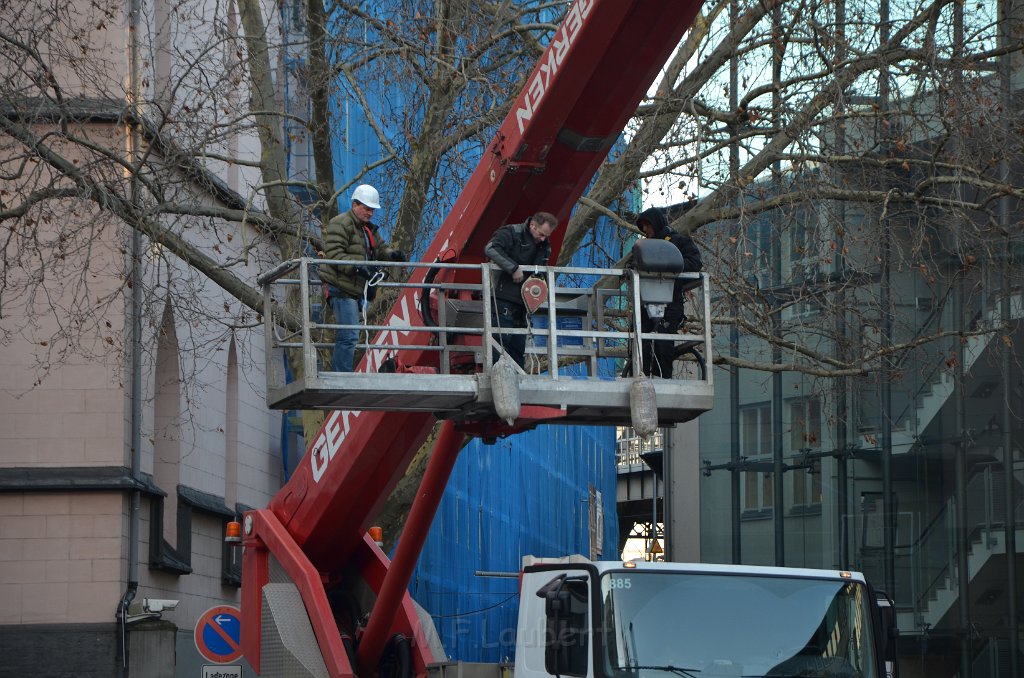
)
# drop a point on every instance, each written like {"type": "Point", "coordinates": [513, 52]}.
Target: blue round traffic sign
{"type": "Point", "coordinates": [218, 634]}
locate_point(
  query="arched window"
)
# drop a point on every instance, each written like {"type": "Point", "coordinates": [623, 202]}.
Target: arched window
{"type": "Point", "coordinates": [167, 423]}
{"type": "Point", "coordinates": [231, 429]}
{"type": "Point", "coordinates": [162, 55]}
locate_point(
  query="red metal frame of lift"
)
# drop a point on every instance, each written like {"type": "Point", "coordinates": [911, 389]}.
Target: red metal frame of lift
{"type": "Point", "coordinates": [594, 72]}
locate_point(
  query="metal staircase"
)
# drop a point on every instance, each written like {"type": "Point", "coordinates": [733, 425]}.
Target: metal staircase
{"type": "Point", "coordinates": [942, 603]}
{"type": "Point", "coordinates": [993, 661]}
{"type": "Point", "coordinates": [939, 385]}
{"type": "Point", "coordinates": [933, 562]}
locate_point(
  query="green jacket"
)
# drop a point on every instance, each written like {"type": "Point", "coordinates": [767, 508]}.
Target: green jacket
{"type": "Point", "coordinates": [345, 239]}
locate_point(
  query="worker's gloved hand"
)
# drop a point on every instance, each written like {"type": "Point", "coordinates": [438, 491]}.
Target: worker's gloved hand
{"type": "Point", "coordinates": [364, 271]}
{"type": "Point", "coordinates": [397, 255]}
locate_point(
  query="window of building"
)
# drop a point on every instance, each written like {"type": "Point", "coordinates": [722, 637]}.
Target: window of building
{"type": "Point", "coordinates": [232, 65]}
{"type": "Point", "coordinates": [755, 250]}
{"type": "Point", "coordinates": [166, 423]}
{"type": "Point", "coordinates": [807, 485]}
{"type": "Point", "coordinates": [756, 446]}
{"type": "Point", "coordinates": [170, 540]}
{"type": "Point", "coordinates": [161, 54]}
{"type": "Point", "coordinates": [805, 436]}
{"type": "Point", "coordinates": [804, 424]}
{"type": "Point", "coordinates": [231, 572]}
{"type": "Point", "coordinates": [231, 429]}
{"type": "Point", "coordinates": [632, 447]}
{"type": "Point", "coordinates": [806, 257]}
{"type": "Point", "coordinates": [172, 504]}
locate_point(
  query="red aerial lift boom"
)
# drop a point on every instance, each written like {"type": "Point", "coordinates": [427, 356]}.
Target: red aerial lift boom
{"type": "Point", "coordinates": [312, 536]}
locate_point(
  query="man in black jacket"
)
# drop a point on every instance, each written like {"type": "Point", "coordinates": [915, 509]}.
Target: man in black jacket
{"type": "Point", "coordinates": [658, 359]}
{"type": "Point", "coordinates": [513, 247]}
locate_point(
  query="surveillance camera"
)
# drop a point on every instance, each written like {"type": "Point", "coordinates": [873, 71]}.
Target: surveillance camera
{"type": "Point", "coordinates": [158, 604]}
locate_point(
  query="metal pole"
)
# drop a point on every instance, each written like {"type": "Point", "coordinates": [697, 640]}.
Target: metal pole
{"type": "Point", "coordinates": [962, 529]}
{"type": "Point", "coordinates": [1010, 501]}
{"type": "Point", "coordinates": [637, 348]}
{"type": "Point", "coordinates": [777, 469]}
{"type": "Point", "coordinates": [135, 350]}
{"type": "Point", "coordinates": [668, 511]}
{"type": "Point", "coordinates": [309, 361]}
{"type": "Point", "coordinates": [842, 479]}
{"type": "Point", "coordinates": [1010, 505]}
{"type": "Point", "coordinates": [888, 515]}
{"type": "Point", "coordinates": [962, 537]}
{"type": "Point", "coordinates": [414, 534]}
{"type": "Point", "coordinates": [734, 332]}
{"type": "Point", "coordinates": [654, 512]}
{"type": "Point", "coordinates": [778, 511]}
{"type": "Point", "coordinates": [485, 288]}
{"type": "Point", "coordinates": [734, 434]}
{"type": "Point", "coordinates": [552, 328]}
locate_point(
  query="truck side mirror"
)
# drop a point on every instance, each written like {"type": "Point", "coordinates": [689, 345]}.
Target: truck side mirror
{"type": "Point", "coordinates": [566, 641]}
{"type": "Point", "coordinates": [889, 633]}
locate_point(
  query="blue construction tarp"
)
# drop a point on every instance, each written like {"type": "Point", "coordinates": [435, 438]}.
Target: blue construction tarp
{"type": "Point", "coordinates": [529, 494]}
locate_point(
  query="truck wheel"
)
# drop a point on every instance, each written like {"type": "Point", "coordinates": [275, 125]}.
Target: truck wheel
{"type": "Point", "coordinates": [396, 662]}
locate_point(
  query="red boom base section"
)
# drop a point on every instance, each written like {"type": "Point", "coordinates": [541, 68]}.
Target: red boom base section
{"type": "Point", "coordinates": [265, 538]}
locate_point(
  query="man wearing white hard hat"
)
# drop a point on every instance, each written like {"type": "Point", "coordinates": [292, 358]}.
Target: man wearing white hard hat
{"type": "Point", "coordinates": [352, 236]}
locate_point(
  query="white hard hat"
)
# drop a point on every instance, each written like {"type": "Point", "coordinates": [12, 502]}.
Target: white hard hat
{"type": "Point", "coordinates": [367, 194]}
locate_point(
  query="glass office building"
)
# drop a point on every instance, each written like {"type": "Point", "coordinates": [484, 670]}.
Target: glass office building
{"type": "Point", "coordinates": [910, 472]}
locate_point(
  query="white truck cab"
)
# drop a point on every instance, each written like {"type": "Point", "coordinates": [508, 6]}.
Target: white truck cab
{"type": "Point", "coordinates": [637, 619]}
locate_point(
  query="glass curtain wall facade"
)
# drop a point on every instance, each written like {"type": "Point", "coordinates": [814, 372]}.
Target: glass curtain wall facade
{"type": "Point", "coordinates": [911, 471]}
{"type": "Point", "coordinates": [916, 479]}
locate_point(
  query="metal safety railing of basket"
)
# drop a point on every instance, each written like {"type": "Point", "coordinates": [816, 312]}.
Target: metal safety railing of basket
{"type": "Point", "coordinates": [590, 314]}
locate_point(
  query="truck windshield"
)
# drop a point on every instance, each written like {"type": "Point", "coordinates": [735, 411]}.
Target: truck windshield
{"type": "Point", "coordinates": [658, 625]}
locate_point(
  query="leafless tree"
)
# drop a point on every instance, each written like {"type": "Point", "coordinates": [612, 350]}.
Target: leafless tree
{"type": "Point", "coordinates": [839, 149]}
{"type": "Point", "coordinates": [827, 146]}
{"type": "Point", "coordinates": [101, 139]}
